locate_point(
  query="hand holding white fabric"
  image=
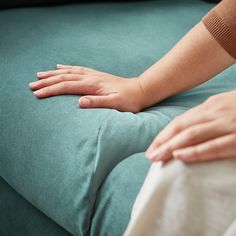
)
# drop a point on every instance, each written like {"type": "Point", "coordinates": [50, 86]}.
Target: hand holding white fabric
{"type": "Point", "coordinates": [205, 132]}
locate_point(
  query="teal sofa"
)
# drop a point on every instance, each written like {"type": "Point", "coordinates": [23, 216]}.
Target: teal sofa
{"type": "Point", "coordinates": [70, 171]}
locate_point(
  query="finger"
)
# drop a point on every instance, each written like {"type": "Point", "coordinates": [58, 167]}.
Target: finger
{"type": "Point", "coordinates": [67, 87]}
{"type": "Point", "coordinates": [223, 147]}
{"type": "Point", "coordinates": [54, 80]}
{"type": "Point", "coordinates": [191, 117]}
{"type": "Point", "coordinates": [46, 74]}
{"type": "Point", "coordinates": [59, 66]}
{"type": "Point", "coordinates": [191, 136]}
{"type": "Point", "coordinates": [107, 101]}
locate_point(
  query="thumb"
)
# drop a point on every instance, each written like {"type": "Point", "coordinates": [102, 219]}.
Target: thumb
{"type": "Point", "coordinates": [96, 101]}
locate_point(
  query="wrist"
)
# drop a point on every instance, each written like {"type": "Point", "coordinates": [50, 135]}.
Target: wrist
{"type": "Point", "coordinates": [143, 95]}
{"type": "Point", "coordinates": [145, 100]}
{"type": "Point", "coordinates": [150, 92]}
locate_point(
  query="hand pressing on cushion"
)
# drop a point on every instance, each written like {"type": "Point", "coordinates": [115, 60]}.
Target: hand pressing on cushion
{"type": "Point", "coordinates": [103, 89]}
{"type": "Point", "coordinates": [205, 132]}
{"type": "Point", "coordinates": [196, 58]}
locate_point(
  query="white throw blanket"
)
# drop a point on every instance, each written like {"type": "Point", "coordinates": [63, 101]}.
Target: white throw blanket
{"type": "Point", "coordinates": [177, 199]}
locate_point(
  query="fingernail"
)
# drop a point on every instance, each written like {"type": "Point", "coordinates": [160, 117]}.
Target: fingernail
{"type": "Point", "coordinates": [32, 84]}
{"type": "Point", "coordinates": [149, 151]}
{"type": "Point", "coordinates": [178, 154]}
{"type": "Point", "coordinates": [85, 102]}
{"type": "Point", "coordinates": [156, 154]}
{"type": "Point", "coordinates": [60, 65]}
{"type": "Point", "coordinates": [39, 73]}
{"type": "Point", "coordinates": [38, 92]}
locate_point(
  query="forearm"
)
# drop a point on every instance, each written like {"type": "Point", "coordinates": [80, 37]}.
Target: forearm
{"type": "Point", "coordinates": [196, 58]}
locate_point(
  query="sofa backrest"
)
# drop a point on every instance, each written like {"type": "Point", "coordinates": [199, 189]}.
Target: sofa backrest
{"type": "Point", "coordinates": [18, 3]}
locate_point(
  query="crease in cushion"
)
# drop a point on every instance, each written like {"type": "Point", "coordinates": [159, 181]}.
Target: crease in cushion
{"type": "Point", "coordinates": [121, 186]}
{"type": "Point", "coordinates": [119, 138]}
{"type": "Point", "coordinates": [46, 176]}
{"type": "Point", "coordinates": [52, 179]}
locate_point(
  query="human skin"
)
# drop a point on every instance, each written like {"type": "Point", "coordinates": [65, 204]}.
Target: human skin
{"type": "Point", "coordinates": [105, 90]}
{"type": "Point", "coordinates": [203, 133]}
{"type": "Point", "coordinates": [196, 58]}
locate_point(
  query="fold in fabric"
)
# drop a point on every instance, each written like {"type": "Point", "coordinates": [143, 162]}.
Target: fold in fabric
{"type": "Point", "coordinates": [178, 199]}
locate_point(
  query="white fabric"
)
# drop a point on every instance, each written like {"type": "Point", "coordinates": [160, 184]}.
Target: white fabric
{"type": "Point", "coordinates": [177, 199]}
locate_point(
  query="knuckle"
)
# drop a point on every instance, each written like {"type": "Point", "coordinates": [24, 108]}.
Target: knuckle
{"type": "Point", "coordinates": [211, 99]}
{"type": "Point", "coordinates": [233, 139]}
{"type": "Point", "coordinates": [61, 77]}
{"type": "Point", "coordinates": [66, 77]}
{"type": "Point", "coordinates": [82, 70]}
{"type": "Point", "coordinates": [96, 100]}
{"type": "Point", "coordinates": [176, 127]}
{"type": "Point", "coordinates": [64, 85]}
{"type": "Point", "coordinates": [196, 153]}
{"type": "Point", "coordinates": [192, 134]}
{"type": "Point", "coordinates": [69, 71]}
{"type": "Point", "coordinates": [233, 120]}
{"type": "Point", "coordinates": [165, 150]}
{"type": "Point", "coordinates": [221, 108]}
{"type": "Point", "coordinates": [212, 146]}
{"type": "Point", "coordinates": [42, 83]}
{"type": "Point", "coordinates": [221, 122]}
{"type": "Point", "coordinates": [156, 142]}
{"type": "Point", "coordinates": [93, 83]}
{"type": "Point", "coordinates": [227, 120]}
{"type": "Point", "coordinates": [45, 91]}
{"type": "Point", "coordinates": [215, 147]}
{"type": "Point", "coordinates": [168, 149]}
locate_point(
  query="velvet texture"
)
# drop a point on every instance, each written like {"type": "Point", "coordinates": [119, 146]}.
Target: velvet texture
{"type": "Point", "coordinates": [57, 155]}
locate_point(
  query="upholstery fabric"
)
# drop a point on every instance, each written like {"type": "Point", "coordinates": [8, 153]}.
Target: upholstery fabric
{"type": "Point", "coordinates": [19, 217]}
{"type": "Point", "coordinates": [56, 155]}
{"type": "Point", "coordinates": [116, 196]}
{"type": "Point", "coordinates": [23, 3]}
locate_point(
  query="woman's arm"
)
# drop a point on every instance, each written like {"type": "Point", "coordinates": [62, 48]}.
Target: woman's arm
{"type": "Point", "coordinates": [208, 131]}
{"type": "Point", "coordinates": [209, 48]}
{"type": "Point", "coordinates": [203, 52]}
{"type": "Point", "coordinates": [196, 58]}
{"type": "Point", "coordinates": [205, 132]}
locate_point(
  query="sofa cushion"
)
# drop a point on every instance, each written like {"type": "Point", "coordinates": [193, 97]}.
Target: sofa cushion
{"type": "Point", "coordinates": [117, 195]}
{"type": "Point", "coordinates": [55, 154]}
{"type": "Point", "coordinates": [19, 217]}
